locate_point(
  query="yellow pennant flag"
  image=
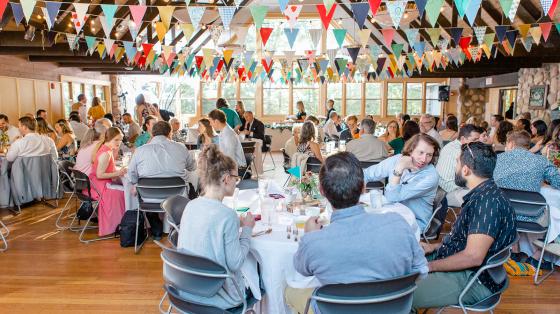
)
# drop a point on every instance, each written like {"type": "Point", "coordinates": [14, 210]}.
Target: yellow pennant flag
{"type": "Point", "coordinates": [208, 56]}
{"type": "Point", "coordinates": [188, 30]}
{"type": "Point", "coordinates": [101, 49]}
{"type": "Point", "coordinates": [524, 29]}
{"type": "Point", "coordinates": [486, 50]}
{"type": "Point", "coordinates": [227, 55]}
{"type": "Point", "coordinates": [119, 53]}
{"type": "Point", "coordinates": [165, 15]}
{"type": "Point", "coordinates": [161, 30]}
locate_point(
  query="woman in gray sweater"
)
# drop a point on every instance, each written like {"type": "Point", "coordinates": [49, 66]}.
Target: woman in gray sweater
{"type": "Point", "coordinates": [211, 229]}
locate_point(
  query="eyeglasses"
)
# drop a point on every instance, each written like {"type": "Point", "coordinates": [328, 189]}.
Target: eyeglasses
{"type": "Point", "coordinates": [236, 177]}
{"type": "Point", "coordinates": [467, 145]}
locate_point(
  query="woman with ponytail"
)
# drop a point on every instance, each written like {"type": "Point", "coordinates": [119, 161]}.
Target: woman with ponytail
{"type": "Point", "coordinates": [211, 229]}
{"type": "Point", "coordinates": [103, 172]}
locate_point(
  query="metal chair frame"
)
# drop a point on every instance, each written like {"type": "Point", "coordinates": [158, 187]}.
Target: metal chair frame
{"type": "Point", "coordinates": [373, 185]}
{"type": "Point", "coordinates": [67, 177]}
{"type": "Point", "coordinates": [267, 143]}
{"type": "Point", "coordinates": [4, 235]}
{"type": "Point", "coordinates": [286, 165]}
{"type": "Point", "coordinates": [166, 205]}
{"type": "Point", "coordinates": [249, 148]}
{"type": "Point", "coordinates": [438, 207]}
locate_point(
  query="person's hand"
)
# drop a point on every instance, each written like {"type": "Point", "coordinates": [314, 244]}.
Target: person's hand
{"type": "Point", "coordinates": [313, 224]}
{"type": "Point", "coordinates": [122, 171]}
{"type": "Point", "coordinates": [404, 164]}
{"type": "Point", "coordinates": [247, 220]}
{"type": "Point", "coordinates": [428, 248]}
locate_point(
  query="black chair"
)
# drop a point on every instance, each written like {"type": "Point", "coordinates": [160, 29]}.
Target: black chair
{"type": "Point", "coordinates": [437, 220]}
{"type": "Point", "coordinates": [249, 151]}
{"type": "Point", "coordinates": [191, 146]}
{"type": "Point", "coordinates": [286, 165]}
{"type": "Point", "coordinates": [267, 150]}
{"type": "Point", "coordinates": [248, 184]}
{"type": "Point", "coordinates": [373, 185]}
{"type": "Point", "coordinates": [83, 184]}
{"type": "Point", "coordinates": [67, 185]}
{"type": "Point", "coordinates": [195, 275]}
{"type": "Point", "coordinates": [313, 164]}
{"type": "Point", "coordinates": [151, 192]}
{"type": "Point", "coordinates": [381, 296]}
{"type": "Point", "coordinates": [445, 143]}
{"type": "Point", "coordinates": [494, 266]}
{"type": "Point", "coordinates": [528, 204]}
{"type": "Point", "coordinates": [174, 207]}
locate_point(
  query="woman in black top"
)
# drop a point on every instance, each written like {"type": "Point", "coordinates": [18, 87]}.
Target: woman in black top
{"type": "Point", "coordinates": [301, 115]}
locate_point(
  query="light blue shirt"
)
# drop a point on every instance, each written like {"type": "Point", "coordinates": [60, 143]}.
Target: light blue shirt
{"type": "Point", "coordinates": [519, 169]}
{"type": "Point", "coordinates": [359, 246]}
{"type": "Point", "coordinates": [416, 190]}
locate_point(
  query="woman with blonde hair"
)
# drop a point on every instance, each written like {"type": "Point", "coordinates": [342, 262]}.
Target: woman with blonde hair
{"type": "Point", "coordinates": [211, 229]}
{"type": "Point", "coordinates": [111, 202]}
{"type": "Point", "coordinates": [96, 111]}
{"type": "Point", "coordinates": [307, 144]}
{"type": "Point", "coordinates": [43, 128]}
{"type": "Point", "coordinates": [66, 141]}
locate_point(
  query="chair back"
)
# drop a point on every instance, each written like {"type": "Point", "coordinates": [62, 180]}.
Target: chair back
{"type": "Point", "coordinates": [191, 146]}
{"type": "Point", "coordinates": [267, 143]}
{"type": "Point", "coordinates": [174, 207]}
{"type": "Point", "coordinates": [248, 147]}
{"type": "Point", "coordinates": [151, 191]}
{"type": "Point", "coordinates": [381, 296]}
{"type": "Point", "coordinates": [495, 263]}
{"type": "Point", "coordinates": [439, 213]}
{"type": "Point", "coordinates": [248, 184]}
{"type": "Point", "coordinates": [525, 203]}
{"type": "Point", "coordinates": [185, 306]}
{"type": "Point", "coordinates": [287, 160]}
{"type": "Point", "coordinates": [313, 165]}
{"type": "Point", "coordinates": [367, 164]}
{"type": "Point", "coordinates": [82, 185]}
{"type": "Point", "coordinates": [65, 170]}
{"type": "Point", "coordinates": [191, 273]}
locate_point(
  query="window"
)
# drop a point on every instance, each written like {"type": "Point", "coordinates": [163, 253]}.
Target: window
{"type": "Point", "coordinates": [229, 92]}
{"type": "Point", "coordinates": [353, 99]}
{"type": "Point", "coordinates": [100, 92]}
{"type": "Point", "coordinates": [169, 92]}
{"type": "Point", "coordinates": [275, 99]}
{"type": "Point", "coordinates": [414, 98]}
{"type": "Point", "coordinates": [373, 98]}
{"type": "Point", "coordinates": [433, 105]}
{"type": "Point", "coordinates": [209, 96]}
{"type": "Point", "coordinates": [394, 98]}
{"type": "Point", "coordinates": [68, 101]}
{"type": "Point", "coordinates": [309, 94]}
{"type": "Point", "coordinates": [89, 93]}
{"type": "Point", "coordinates": [187, 98]}
{"type": "Point", "coordinates": [247, 96]}
{"type": "Point", "coordinates": [334, 92]}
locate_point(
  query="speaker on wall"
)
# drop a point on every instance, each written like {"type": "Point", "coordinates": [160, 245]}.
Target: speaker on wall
{"type": "Point", "coordinates": [443, 93]}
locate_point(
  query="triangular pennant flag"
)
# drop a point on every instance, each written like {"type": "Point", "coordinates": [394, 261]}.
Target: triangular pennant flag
{"type": "Point", "coordinates": [341, 65]}
{"type": "Point", "coordinates": [339, 35]}
{"type": "Point", "coordinates": [129, 49]}
{"type": "Point", "coordinates": [511, 37]}
{"type": "Point", "coordinates": [479, 32]}
{"type": "Point", "coordinates": [328, 3]}
{"type": "Point", "coordinates": [292, 13]}
{"type": "Point", "coordinates": [374, 5]}
{"type": "Point", "coordinates": [47, 17]}
{"type": "Point", "coordinates": [360, 11]}
{"type": "Point", "coordinates": [80, 15]}
{"type": "Point", "coordinates": [108, 43]}
{"type": "Point", "coordinates": [545, 28]}
{"type": "Point", "coordinates": [434, 34]}
{"type": "Point", "coordinates": [388, 34]}
{"type": "Point", "coordinates": [161, 30]}
{"type": "Point", "coordinates": [52, 9]}
{"type": "Point", "coordinates": [71, 38]}
{"type": "Point", "coordinates": [523, 29]}
{"type": "Point", "coordinates": [397, 49]}
{"type": "Point", "coordinates": [527, 43]}
{"type": "Point", "coordinates": [109, 11]}
{"type": "Point", "coordinates": [196, 13]}
{"type": "Point", "coordinates": [215, 34]}
{"type": "Point", "coordinates": [3, 5]}
{"type": "Point", "coordinates": [501, 32]}
{"type": "Point", "coordinates": [536, 32]}
{"type": "Point", "coordinates": [364, 34]}
{"type": "Point", "coordinates": [323, 64]}
{"type": "Point", "coordinates": [506, 6]}
{"type": "Point", "coordinates": [248, 58]}
{"type": "Point", "coordinates": [101, 50]}
{"type": "Point", "coordinates": [456, 33]}
{"type": "Point", "coordinates": [208, 54]}
{"type": "Point", "coordinates": [91, 42]}
{"type": "Point", "coordinates": [105, 26]}
{"type": "Point", "coordinates": [472, 10]}
{"type": "Point", "coordinates": [112, 50]}
{"type": "Point", "coordinates": [259, 13]}
{"type": "Point", "coordinates": [433, 8]}
{"type": "Point", "coordinates": [132, 27]}
{"type": "Point", "coordinates": [226, 14]}
{"type": "Point", "coordinates": [552, 8]}
{"type": "Point", "coordinates": [27, 6]}
{"type": "Point", "coordinates": [265, 34]}
{"type": "Point", "coordinates": [489, 40]}
{"type": "Point", "coordinates": [283, 4]}
{"type": "Point", "coordinates": [331, 53]}
{"type": "Point", "coordinates": [227, 55]}
{"type": "Point", "coordinates": [353, 52]}
{"type": "Point", "coordinates": [557, 27]}
{"type": "Point", "coordinates": [17, 11]}
{"type": "Point", "coordinates": [295, 171]}
{"type": "Point", "coordinates": [411, 35]}
{"type": "Point", "coordinates": [420, 47]}
{"type": "Point", "coordinates": [316, 37]}
{"type": "Point", "coordinates": [420, 5]}
{"type": "Point", "coordinates": [137, 12]}
{"type": "Point", "coordinates": [396, 10]}
{"type": "Point", "coordinates": [326, 17]}
{"type": "Point", "coordinates": [165, 15]}
{"type": "Point", "coordinates": [461, 6]}
{"type": "Point", "coordinates": [291, 35]}
{"type": "Point", "coordinates": [513, 9]}
{"type": "Point", "coordinates": [187, 29]}
{"type": "Point", "coordinates": [147, 48]}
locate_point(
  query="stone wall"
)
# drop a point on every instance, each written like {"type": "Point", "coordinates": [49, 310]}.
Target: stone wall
{"type": "Point", "coordinates": [115, 91]}
{"type": "Point", "coordinates": [471, 102]}
{"type": "Point", "coordinates": [548, 74]}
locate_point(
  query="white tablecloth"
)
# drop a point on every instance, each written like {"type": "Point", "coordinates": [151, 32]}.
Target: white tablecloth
{"type": "Point", "coordinates": [279, 138]}
{"type": "Point", "coordinates": [275, 252]}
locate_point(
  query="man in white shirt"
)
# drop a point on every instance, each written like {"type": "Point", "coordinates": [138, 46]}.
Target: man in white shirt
{"type": "Point", "coordinates": [332, 128]}
{"type": "Point", "coordinates": [81, 107]}
{"type": "Point", "coordinates": [32, 144]}
{"type": "Point", "coordinates": [133, 128]}
{"type": "Point", "coordinates": [229, 143]}
{"type": "Point", "coordinates": [368, 147]}
{"type": "Point", "coordinates": [448, 160]}
{"type": "Point", "coordinates": [79, 128]}
{"type": "Point", "coordinates": [161, 158]}
{"type": "Point", "coordinates": [10, 130]}
{"type": "Point", "coordinates": [494, 123]}
{"type": "Point", "coordinates": [427, 126]}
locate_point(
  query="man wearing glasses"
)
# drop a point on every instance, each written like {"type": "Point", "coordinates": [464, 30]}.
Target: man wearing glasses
{"type": "Point", "coordinates": [485, 226]}
{"type": "Point", "coordinates": [427, 126]}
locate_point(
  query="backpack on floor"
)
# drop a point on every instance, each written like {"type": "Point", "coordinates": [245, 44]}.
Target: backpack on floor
{"type": "Point", "coordinates": [127, 228]}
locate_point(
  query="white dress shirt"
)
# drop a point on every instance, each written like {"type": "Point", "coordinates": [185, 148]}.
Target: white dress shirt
{"type": "Point", "coordinates": [80, 129]}
{"type": "Point", "coordinates": [330, 128]}
{"type": "Point", "coordinates": [447, 164]}
{"type": "Point", "coordinates": [433, 133]}
{"type": "Point", "coordinates": [162, 158]}
{"type": "Point", "coordinates": [231, 146]}
{"type": "Point", "coordinates": [32, 145]}
{"type": "Point", "coordinates": [82, 112]}
{"type": "Point", "coordinates": [12, 132]}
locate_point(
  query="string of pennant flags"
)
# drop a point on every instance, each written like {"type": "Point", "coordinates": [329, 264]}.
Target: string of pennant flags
{"type": "Point", "coordinates": [367, 61]}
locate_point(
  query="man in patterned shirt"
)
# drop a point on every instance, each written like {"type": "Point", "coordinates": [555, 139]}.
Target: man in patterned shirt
{"type": "Point", "coordinates": [485, 226]}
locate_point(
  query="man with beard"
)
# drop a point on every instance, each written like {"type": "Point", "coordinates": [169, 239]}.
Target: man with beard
{"type": "Point", "coordinates": [485, 226]}
{"type": "Point", "coordinates": [413, 179]}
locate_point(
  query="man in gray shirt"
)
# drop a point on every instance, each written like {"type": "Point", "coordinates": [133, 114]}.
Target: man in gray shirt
{"type": "Point", "coordinates": [161, 158]}
{"type": "Point", "coordinates": [356, 246]}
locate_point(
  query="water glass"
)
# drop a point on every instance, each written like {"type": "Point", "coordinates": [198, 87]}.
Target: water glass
{"type": "Point", "coordinates": [342, 146]}
{"type": "Point", "coordinates": [267, 213]}
{"type": "Point", "coordinates": [263, 187]}
{"type": "Point", "coordinates": [376, 199]}
{"type": "Point", "coordinates": [235, 196]}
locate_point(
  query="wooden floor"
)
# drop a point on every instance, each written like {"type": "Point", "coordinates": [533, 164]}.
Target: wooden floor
{"type": "Point", "coordinates": [48, 271]}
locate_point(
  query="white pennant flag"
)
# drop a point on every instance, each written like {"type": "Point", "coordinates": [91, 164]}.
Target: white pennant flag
{"type": "Point", "coordinates": [47, 17]}
{"type": "Point", "coordinates": [241, 33]}
{"type": "Point", "coordinates": [396, 10]}
{"type": "Point", "coordinates": [196, 13]}
{"type": "Point", "coordinates": [104, 25]}
{"type": "Point", "coordinates": [513, 9]}
{"type": "Point", "coordinates": [79, 17]}
{"type": "Point", "coordinates": [292, 12]}
{"type": "Point", "coordinates": [71, 38]}
{"type": "Point", "coordinates": [316, 37]}
{"type": "Point", "coordinates": [27, 6]}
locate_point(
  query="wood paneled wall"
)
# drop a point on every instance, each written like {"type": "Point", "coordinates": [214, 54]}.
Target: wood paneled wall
{"type": "Point", "coordinates": [19, 96]}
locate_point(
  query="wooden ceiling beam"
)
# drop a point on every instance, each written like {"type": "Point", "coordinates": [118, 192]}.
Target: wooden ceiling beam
{"type": "Point", "coordinates": [67, 59]}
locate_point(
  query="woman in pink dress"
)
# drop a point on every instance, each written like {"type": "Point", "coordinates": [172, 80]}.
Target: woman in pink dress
{"type": "Point", "coordinates": [111, 206]}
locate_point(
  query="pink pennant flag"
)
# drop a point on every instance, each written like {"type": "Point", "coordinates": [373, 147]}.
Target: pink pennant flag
{"type": "Point", "coordinates": [388, 34]}
{"type": "Point", "coordinates": [137, 12]}
{"type": "Point", "coordinates": [545, 28]}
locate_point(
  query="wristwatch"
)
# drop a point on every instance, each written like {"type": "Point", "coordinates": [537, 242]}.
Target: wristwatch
{"type": "Point", "coordinates": [397, 174]}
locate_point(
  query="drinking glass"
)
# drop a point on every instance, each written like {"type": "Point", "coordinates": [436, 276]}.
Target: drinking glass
{"type": "Point", "coordinates": [235, 196]}
{"type": "Point", "coordinates": [263, 187]}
